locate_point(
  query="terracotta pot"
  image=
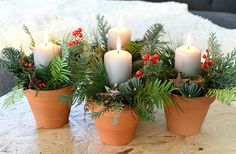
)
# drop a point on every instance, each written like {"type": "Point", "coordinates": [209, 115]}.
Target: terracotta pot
{"type": "Point", "coordinates": [48, 111]}
{"type": "Point", "coordinates": [120, 134]}
{"type": "Point", "coordinates": [188, 119]}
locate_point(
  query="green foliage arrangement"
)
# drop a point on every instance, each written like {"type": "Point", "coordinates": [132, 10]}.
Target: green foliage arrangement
{"type": "Point", "coordinates": [217, 76]}
{"type": "Point", "coordinates": [81, 65]}
{"type": "Point", "coordinates": [57, 75]}
{"type": "Point", "coordinates": [136, 94]}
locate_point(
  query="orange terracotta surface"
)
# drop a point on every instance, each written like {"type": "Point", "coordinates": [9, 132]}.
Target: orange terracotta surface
{"type": "Point", "coordinates": [120, 134]}
{"type": "Point", "coordinates": [48, 111]}
{"type": "Point", "coordinates": [189, 118]}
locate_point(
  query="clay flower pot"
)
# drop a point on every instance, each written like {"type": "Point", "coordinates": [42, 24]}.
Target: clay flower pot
{"type": "Point", "coordinates": [120, 134]}
{"type": "Point", "coordinates": [48, 111]}
{"type": "Point", "coordinates": [188, 119]}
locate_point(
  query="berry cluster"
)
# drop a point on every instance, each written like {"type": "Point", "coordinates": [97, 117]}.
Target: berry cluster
{"type": "Point", "coordinates": [27, 64]}
{"type": "Point", "coordinates": [207, 62]}
{"type": "Point", "coordinates": [154, 58]}
{"type": "Point", "coordinates": [147, 57]}
{"type": "Point", "coordinates": [41, 84]}
{"type": "Point", "coordinates": [77, 34]}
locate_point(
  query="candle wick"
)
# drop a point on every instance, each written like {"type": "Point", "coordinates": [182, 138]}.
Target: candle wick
{"type": "Point", "coordinates": [118, 51]}
{"type": "Point", "coordinates": [188, 47]}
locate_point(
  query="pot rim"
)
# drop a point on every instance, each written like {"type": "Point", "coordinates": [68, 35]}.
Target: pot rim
{"type": "Point", "coordinates": [96, 107]}
{"type": "Point", "coordinates": [61, 89]}
{"type": "Point", "coordinates": [194, 98]}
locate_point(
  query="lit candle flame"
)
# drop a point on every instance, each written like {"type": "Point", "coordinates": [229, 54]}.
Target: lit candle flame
{"type": "Point", "coordinates": [118, 45]}
{"type": "Point", "coordinates": [188, 41]}
{"type": "Point", "coordinates": [46, 37]}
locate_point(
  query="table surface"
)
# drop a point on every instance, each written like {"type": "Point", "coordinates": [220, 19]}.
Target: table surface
{"type": "Point", "coordinates": [20, 134]}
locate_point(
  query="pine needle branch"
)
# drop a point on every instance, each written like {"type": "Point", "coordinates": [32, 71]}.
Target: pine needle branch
{"type": "Point", "coordinates": [32, 44]}
{"type": "Point", "coordinates": [226, 96]}
{"type": "Point", "coordinates": [152, 37]}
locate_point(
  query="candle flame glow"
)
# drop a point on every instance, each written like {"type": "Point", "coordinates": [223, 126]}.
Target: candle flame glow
{"type": "Point", "coordinates": [188, 41]}
{"type": "Point", "coordinates": [46, 37]}
{"type": "Point", "coordinates": [118, 45]}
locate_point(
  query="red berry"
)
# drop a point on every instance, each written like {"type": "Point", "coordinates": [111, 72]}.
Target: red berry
{"type": "Point", "coordinates": [43, 84]}
{"type": "Point", "coordinates": [207, 50]}
{"type": "Point", "coordinates": [30, 65]}
{"type": "Point", "coordinates": [205, 67]}
{"type": "Point", "coordinates": [209, 62]}
{"type": "Point", "coordinates": [202, 66]}
{"type": "Point", "coordinates": [146, 56]}
{"type": "Point", "coordinates": [76, 41]}
{"type": "Point", "coordinates": [151, 58]}
{"type": "Point", "coordinates": [156, 56]}
{"type": "Point", "coordinates": [74, 33]}
{"type": "Point", "coordinates": [145, 62]}
{"type": "Point", "coordinates": [204, 56]}
{"type": "Point", "coordinates": [80, 35]}
{"type": "Point", "coordinates": [70, 44]}
{"type": "Point", "coordinates": [154, 61]}
{"type": "Point", "coordinates": [138, 73]}
{"type": "Point", "coordinates": [79, 30]}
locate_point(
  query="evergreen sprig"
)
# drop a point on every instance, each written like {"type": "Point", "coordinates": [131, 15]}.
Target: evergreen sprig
{"type": "Point", "coordinates": [103, 28]}
{"type": "Point", "coordinates": [32, 44]}
{"type": "Point", "coordinates": [59, 71]}
{"type": "Point", "coordinates": [154, 94]}
{"type": "Point", "coordinates": [214, 49]}
{"type": "Point", "coordinates": [226, 96]}
{"type": "Point", "coordinates": [152, 38]}
{"type": "Point", "coordinates": [15, 95]}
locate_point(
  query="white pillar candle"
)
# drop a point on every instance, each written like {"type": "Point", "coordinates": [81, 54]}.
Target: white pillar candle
{"type": "Point", "coordinates": [187, 59]}
{"type": "Point", "coordinates": [118, 64]}
{"type": "Point", "coordinates": [43, 54]}
{"type": "Point", "coordinates": [125, 36]}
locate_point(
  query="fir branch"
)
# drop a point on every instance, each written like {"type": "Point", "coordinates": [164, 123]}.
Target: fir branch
{"type": "Point", "coordinates": [90, 76]}
{"type": "Point", "coordinates": [226, 96]}
{"type": "Point", "coordinates": [4, 64]}
{"type": "Point", "coordinates": [10, 60]}
{"type": "Point", "coordinates": [98, 78]}
{"type": "Point", "coordinates": [134, 47]}
{"type": "Point", "coordinates": [103, 28]}
{"type": "Point", "coordinates": [152, 38]}
{"type": "Point", "coordinates": [32, 44]}
{"type": "Point", "coordinates": [11, 54]}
